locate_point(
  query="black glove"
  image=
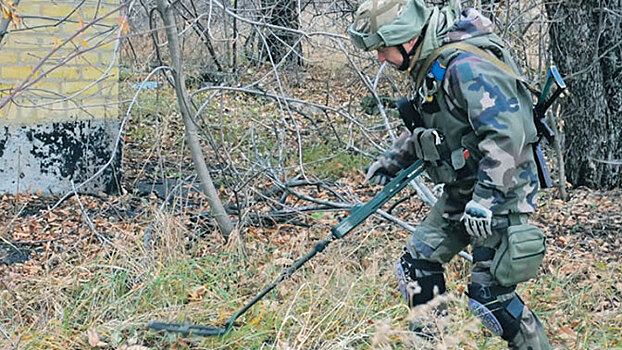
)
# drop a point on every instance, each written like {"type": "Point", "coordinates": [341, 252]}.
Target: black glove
{"type": "Point", "coordinates": [378, 173]}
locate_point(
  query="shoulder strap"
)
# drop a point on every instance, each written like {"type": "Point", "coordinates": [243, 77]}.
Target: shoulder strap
{"type": "Point", "coordinates": [462, 46]}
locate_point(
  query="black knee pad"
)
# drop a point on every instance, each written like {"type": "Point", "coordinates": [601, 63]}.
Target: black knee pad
{"type": "Point", "coordinates": [501, 317]}
{"type": "Point", "coordinates": [431, 283]}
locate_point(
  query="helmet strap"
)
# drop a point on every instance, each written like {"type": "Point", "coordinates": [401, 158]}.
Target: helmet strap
{"type": "Point", "coordinates": [405, 58]}
{"type": "Point", "coordinates": [406, 55]}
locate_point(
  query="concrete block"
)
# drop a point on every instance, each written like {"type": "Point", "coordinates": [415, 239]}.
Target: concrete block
{"type": "Point", "coordinates": [15, 72]}
{"type": "Point", "coordinates": [48, 157]}
{"type": "Point", "coordinates": [73, 87]}
{"type": "Point", "coordinates": [31, 8]}
{"type": "Point", "coordinates": [47, 142]}
{"type": "Point", "coordinates": [9, 56]}
{"type": "Point", "coordinates": [59, 11]}
{"type": "Point", "coordinates": [65, 73]}
{"type": "Point", "coordinates": [91, 73]}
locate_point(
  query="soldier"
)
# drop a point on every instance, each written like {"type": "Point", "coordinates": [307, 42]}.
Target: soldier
{"type": "Point", "coordinates": [471, 124]}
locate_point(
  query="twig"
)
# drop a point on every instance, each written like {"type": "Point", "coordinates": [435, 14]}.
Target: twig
{"type": "Point", "coordinates": [371, 89]}
{"type": "Point", "coordinates": [285, 102]}
{"type": "Point", "coordinates": [280, 187]}
{"type": "Point", "coordinates": [10, 291]}
{"type": "Point", "coordinates": [147, 235]}
{"type": "Point", "coordinates": [290, 100]}
{"type": "Point", "coordinates": [4, 23]}
{"type": "Point", "coordinates": [378, 75]}
{"type": "Point", "coordinates": [57, 21]}
{"type": "Point", "coordinates": [424, 192]}
{"type": "Point", "coordinates": [7, 337]}
{"type": "Point", "coordinates": [398, 202]}
{"type": "Point", "coordinates": [103, 240]}
{"type": "Point", "coordinates": [26, 82]}
{"type": "Point", "coordinates": [606, 161]}
{"type": "Point", "coordinates": [272, 26]}
{"type": "Point", "coordinates": [574, 75]}
{"type": "Point", "coordinates": [320, 201]}
{"type": "Point", "coordinates": [560, 155]}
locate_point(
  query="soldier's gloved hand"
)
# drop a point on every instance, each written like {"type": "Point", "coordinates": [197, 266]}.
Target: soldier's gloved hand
{"type": "Point", "coordinates": [477, 220]}
{"type": "Point", "coordinates": [378, 174]}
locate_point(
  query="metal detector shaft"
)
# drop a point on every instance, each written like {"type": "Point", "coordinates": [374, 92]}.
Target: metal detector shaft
{"type": "Point", "coordinates": [357, 215]}
{"type": "Point", "coordinates": [362, 212]}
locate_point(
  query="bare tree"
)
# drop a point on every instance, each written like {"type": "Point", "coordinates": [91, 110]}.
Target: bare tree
{"type": "Point", "coordinates": [218, 211]}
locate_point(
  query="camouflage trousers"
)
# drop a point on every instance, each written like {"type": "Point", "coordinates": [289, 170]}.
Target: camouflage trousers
{"type": "Point", "coordinates": [437, 239]}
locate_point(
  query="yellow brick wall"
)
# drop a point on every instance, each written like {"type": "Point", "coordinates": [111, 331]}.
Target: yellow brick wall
{"type": "Point", "coordinates": [85, 85]}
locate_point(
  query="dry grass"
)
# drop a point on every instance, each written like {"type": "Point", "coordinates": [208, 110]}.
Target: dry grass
{"type": "Point", "coordinates": [344, 299]}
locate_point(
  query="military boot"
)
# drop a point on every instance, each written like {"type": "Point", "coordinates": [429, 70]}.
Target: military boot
{"type": "Point", "coordinates": [531, 335]}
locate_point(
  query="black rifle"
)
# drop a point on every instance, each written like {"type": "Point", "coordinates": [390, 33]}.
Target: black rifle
{"type": "Point", "coordinates": [410, 116]}
{"type": "Point", "coordinates": [543, 129]}
{"type": "Point", "coordinates": [358, 214]}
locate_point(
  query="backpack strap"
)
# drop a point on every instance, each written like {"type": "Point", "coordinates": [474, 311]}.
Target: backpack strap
{"type": "Point", "coordinates": [466, 47]}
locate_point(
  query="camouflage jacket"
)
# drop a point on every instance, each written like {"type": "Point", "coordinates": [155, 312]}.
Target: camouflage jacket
{"type": "Point", "coordinates": [484, 118]}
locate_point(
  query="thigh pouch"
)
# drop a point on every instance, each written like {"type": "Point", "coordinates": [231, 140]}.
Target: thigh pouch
{"type": "Point", "coordinates": [519, 256]}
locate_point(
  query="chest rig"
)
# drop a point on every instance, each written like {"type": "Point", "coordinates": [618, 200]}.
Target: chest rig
{"type": "Point", "coordinates": [448, 145]}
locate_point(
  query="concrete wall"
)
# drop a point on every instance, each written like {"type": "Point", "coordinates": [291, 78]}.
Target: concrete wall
{"type": "Point", "coordinates": [62, 128]}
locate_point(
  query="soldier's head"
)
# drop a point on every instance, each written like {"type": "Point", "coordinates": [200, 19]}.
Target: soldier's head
{"type": "Point", "coordinates": [391, 27]}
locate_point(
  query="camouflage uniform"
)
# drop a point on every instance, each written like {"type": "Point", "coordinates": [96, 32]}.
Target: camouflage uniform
{"type": "Point", "coordinates": [476, 138]}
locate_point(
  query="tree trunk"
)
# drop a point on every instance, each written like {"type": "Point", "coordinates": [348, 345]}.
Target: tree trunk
{"type": "Point", "coordinates": [585, 44]}
{"type": "Point", "coordinates": [218, 211]}
{"type": "Point", "coordinates": [281, 43]}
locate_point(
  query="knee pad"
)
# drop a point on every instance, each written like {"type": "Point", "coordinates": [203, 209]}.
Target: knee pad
{"type": "Point", "coordinates": [503, 318]}
{"type": "Point", "coordinates": [430, 279]}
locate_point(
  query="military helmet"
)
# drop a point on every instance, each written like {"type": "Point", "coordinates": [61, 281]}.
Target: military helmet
{"type": "Point", "coordinates": [379, 23]}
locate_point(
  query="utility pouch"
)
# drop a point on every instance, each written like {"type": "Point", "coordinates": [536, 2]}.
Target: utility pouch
{"type": "Point", "coordinates": [442, 172]}
{"type": "Point", "coordinates": [430, 148]}
{"type": "Point", "coordinates": [519, 256]}
{"type": "Point", "coordinates": [430, 140]}
{"type": "Point", "coordinates": [458, 158]}
{"type": "Point", "coordinates": [426, 142]}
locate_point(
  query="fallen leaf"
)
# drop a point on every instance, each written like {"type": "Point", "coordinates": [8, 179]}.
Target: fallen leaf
{"type": "Point", "coordinates": [15, 17]}
{"type": "Point", "coordinates": [6, 12]}
{"type": "Point", "coordinates": [197, 293]}
{"type": "Point", "coordinates": [94, 340]}
{"type": "Point", "coordinates": [567, 331]}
